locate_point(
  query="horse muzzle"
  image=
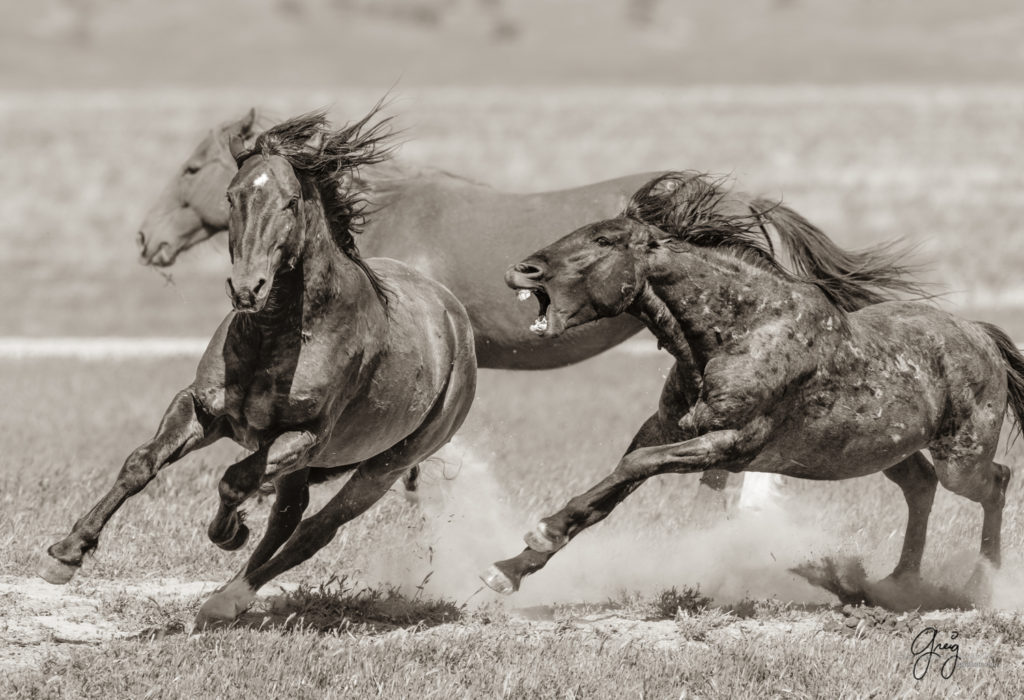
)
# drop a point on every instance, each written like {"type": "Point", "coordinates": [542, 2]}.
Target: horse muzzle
{"type": "Point", "coordinates": [248, 297]}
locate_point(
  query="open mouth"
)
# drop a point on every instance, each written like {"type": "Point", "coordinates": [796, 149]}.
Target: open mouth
{"type": "Point", "coordinates": [540, 325]}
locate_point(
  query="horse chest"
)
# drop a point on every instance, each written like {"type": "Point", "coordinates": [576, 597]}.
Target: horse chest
{"type": "Point", "coordinates": [275, 395]}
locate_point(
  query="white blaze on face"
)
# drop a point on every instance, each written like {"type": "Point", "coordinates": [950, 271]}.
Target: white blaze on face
{"type": "Point", "coordinates": [260, 180]}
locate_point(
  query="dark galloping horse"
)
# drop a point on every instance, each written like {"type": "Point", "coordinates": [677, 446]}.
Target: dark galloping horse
{"type": "Point", "coordinates": [774, 373]}
{"type": "Point", "coordinates": [329, 364]}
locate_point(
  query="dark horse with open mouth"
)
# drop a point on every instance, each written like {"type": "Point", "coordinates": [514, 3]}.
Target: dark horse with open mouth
{"type": "Point", "coordinates": [330, 364]}
{"type": "Point", "coordinates": [773, 373]}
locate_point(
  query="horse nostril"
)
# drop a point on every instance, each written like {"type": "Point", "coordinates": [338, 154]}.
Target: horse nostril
{"type": "Point", "coordinates": [141, 238]}
{"type": "Point", "coordinates": [259, 285]}
{"type": "Point", "coordinates": [529, 270]}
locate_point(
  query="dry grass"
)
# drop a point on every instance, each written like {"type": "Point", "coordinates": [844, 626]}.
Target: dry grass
{"type": "Point", "coordinates": [56, 462]}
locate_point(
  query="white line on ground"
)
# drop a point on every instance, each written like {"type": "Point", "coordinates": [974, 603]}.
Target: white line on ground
{"type": "Point", "coordinates": [100, 348]}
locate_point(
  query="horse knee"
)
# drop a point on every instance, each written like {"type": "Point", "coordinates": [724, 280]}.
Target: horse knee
{"type": "Point", "coordinates": [229, 492]}
{"type": "Point", "coordinates": [985, 484]}
{"type": "Point", "coordinates": [139, 469]}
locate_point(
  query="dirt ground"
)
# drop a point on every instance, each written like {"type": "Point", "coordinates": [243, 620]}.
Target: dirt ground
{"type": "Point", "coordinates": [40, 619]}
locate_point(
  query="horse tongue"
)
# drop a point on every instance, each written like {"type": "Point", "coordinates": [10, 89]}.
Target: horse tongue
{"type": "Point", "coordinates": [540, 325]}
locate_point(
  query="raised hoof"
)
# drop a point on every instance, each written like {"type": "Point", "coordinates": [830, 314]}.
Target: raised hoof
{"type": "Point", "coordinates": [496, 579]}
{"type": "Point", "coordinates": [54, 571]}
{"type": "Point", "coordinates": [240, 537]}
{"type": "Point", "coordinates": [539, 539]}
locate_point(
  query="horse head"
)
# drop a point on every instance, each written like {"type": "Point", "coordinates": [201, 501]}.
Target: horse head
{"type": "Point", "coordinates": [290, 186]}
{"type": "Point", "coordinates": [594, 272]}
{"type": "Point", "coordinates": [192, 207]}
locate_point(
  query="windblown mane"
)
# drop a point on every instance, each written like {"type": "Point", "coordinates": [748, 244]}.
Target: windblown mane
{"type": "Point", "coordinates": [331, 167]}
{"type": "Point", "coordinates": [688, 206]}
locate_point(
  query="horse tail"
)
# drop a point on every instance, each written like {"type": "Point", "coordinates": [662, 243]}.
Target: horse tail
{"type": "Point", "coordinates": [1013, 360]}
{"type": "Point", "coordinates": [850, 279]}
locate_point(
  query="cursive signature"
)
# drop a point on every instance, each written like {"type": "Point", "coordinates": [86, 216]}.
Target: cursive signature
{"type": "Point", "coordinates": [926, 647]}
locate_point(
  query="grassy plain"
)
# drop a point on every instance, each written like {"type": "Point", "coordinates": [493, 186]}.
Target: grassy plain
{"type": "Point", "coordinates": [935, 165]}
{"type": "Point", "coordinates": [531, 441]}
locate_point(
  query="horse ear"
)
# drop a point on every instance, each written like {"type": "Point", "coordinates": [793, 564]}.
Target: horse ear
{"type": "Point", "coordinates": [240, 137]}
{"type": "Point", "coordinates": [248, 121]}
{"type": "Point", "coordinates": [236, 145]}
{"type": "Point", "coordinates": [315, 143]}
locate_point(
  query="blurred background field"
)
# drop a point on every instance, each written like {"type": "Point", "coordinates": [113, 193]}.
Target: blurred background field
{"type": "Point", "coordinates": [936, 166]}
{"type": "Point", "coordinates": [875, 119]}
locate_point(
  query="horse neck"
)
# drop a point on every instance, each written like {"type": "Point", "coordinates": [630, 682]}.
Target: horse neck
{"type": "Point", "coordinates": [332, 279]}
{"type": "Point", "coordinates": [703, 298]}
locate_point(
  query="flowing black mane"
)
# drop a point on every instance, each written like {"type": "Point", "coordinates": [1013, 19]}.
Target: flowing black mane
{"type": "Point", "coordinates": [688, 206]}
{"type": "Point", "coordinates": [331, 167]}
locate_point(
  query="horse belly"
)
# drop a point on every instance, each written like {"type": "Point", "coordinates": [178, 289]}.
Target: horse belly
{"type": "Point", "coordinates": [847, 441]}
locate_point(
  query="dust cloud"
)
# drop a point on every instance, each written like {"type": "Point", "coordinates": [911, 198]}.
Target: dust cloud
{"type": "Point", "coordinates": [469, 522]}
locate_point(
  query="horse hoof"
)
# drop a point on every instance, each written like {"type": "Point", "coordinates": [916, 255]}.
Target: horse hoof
{"type": "Point", "coordinates": [205, 622]}
{"type": "Point", "coordinates": [54, 571]}
{"type": "Point", "coordinates": [539, 539]}
{"type": "Point", "coordinates": [495, 579]}
{"type": "Point", "coordinates": [240, 537]}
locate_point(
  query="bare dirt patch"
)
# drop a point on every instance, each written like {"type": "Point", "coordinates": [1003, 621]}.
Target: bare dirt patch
{"type": "Point", "coordinates": [37, 617]}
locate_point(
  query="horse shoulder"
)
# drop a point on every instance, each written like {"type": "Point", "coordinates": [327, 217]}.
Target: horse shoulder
{"type": "Point", "coordinates": [224, 368]}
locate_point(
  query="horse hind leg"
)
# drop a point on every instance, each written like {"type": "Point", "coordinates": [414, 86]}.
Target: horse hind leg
{"type": "Point", "coordinates": [964, 465]}
{"type": "Point", "coordinates": [916, 478]}
{"type": "Point", "coordinates": [992, 523]}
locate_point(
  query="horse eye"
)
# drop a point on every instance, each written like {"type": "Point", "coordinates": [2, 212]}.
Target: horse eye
{"type": "Point", "coordinates": [602, 241]}
{"type": "Point", "coordinates": [293, 204]}
{"type": "Point", "coordinates": [191, 169]}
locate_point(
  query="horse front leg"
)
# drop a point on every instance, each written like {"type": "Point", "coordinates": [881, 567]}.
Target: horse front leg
{"type": "Point", "coordinates": [719, 449]}
{"type": "Point", "coordinates": [184, 427]}
{"type": "Point", "coordinates": [287, 453]}
{"type": "Point", "coordinates": [365, 487]}
{"type": "Point", "coordinates": [506, 576]}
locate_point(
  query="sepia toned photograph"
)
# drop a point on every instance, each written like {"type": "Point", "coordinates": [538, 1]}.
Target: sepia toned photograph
{"type": "Point", "coordinates": [511, 349]}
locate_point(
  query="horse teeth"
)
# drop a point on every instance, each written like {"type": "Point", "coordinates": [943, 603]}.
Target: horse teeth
{"type": "Point", "coordinates": [540, 325]}
{"type": "Point", "coordinates": [523, 294]}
